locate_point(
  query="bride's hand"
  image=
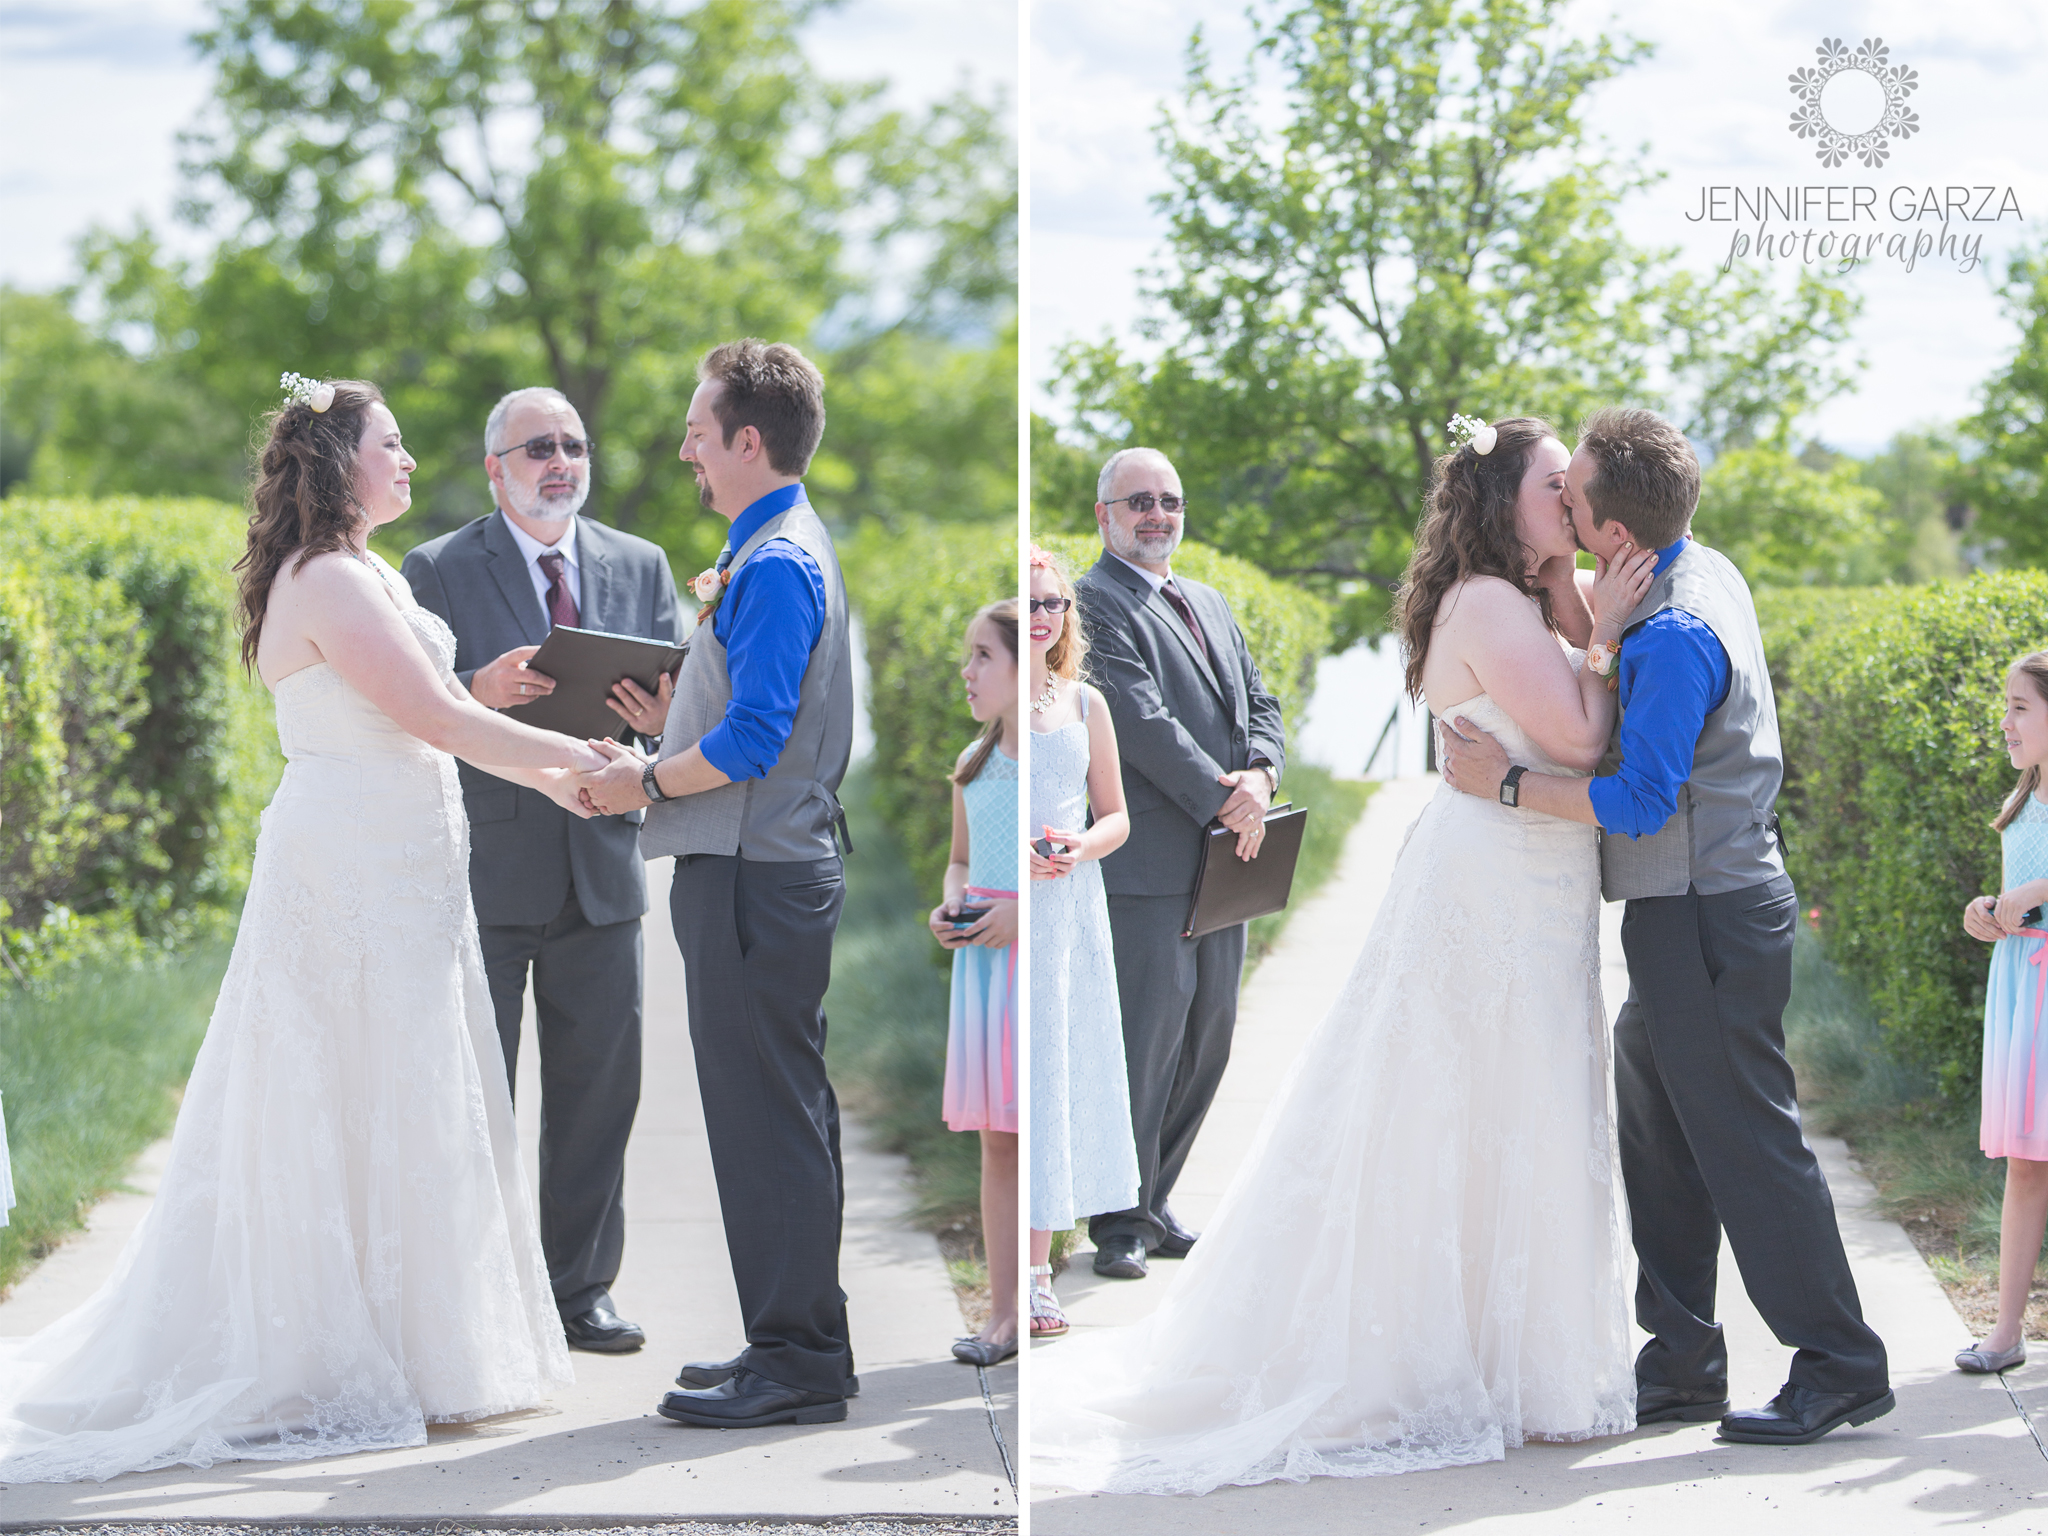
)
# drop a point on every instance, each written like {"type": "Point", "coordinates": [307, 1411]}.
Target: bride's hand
{"type": "Point", "coordinates": [1619, 583]}
{"type": "Point", "coordinates": [564, 786]}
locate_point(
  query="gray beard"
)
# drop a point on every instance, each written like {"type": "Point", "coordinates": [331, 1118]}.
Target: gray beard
{"type": "Point", "coordinates": [1156, 547]}
{"type": "Point", "coordinates": [530, 503]}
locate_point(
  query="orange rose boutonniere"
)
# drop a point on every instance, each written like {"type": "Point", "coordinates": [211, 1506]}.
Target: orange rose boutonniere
{"type": "Point", "coordinates": [708, 587]}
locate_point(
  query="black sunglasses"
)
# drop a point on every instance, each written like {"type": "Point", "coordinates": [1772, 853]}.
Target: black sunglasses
{"type": "Point", "coordinates": [1051, 604]}
{"type": "Point", "coordinates": [541, 449]}
{"type": "Point", "coordinates": [1141, 502]}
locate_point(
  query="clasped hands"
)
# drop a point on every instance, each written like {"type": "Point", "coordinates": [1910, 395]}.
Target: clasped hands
{"type": "Point", "coordinates": [995, 927]}
{"type": "Point", "coordinates": [604, 782]}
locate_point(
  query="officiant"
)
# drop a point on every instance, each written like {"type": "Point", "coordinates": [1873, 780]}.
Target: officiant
{"type": "Point", "coordinates": [1201, 739]}
{"type": "Point", "coordinates": [557, 898]}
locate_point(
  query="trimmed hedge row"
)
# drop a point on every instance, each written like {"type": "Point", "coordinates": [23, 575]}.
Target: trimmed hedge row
{"type": "Point", "coordinates": [1889, 699]}
{"type": "Point", "coordinates": [134, 754]}
{"type": "Point", "coordinates": [915, 592]}
{"type": "Point", "coordinates": [1288, 630]}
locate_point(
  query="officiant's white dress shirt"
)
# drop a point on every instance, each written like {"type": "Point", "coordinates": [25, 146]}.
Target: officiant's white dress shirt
{"type": "Point", "coordinates": [531, 549]}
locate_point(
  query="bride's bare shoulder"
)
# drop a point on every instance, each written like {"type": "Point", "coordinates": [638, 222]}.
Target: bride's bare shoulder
{"type": "Point", "coordinates": [1482, 598]}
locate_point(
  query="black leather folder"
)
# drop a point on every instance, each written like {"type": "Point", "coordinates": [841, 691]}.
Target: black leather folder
{"type": "Point", "coordinates": [586, 665]}
{"type": "Point", "coordinates": [1228, 890]}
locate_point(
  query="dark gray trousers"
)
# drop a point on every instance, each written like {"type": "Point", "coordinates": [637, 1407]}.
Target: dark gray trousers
{"type": "Point", "coordinates": [586, 1002]}
{"type": "Point", "coordinates": [1179, 1002]}
{"type": "Point", "coordinates": [757, 955]}
{"type": "Point", "coordinates": [1710, 1138]}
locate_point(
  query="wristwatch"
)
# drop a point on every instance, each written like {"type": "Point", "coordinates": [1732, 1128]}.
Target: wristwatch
{"type": "Point", "coordinates": [1272, 778]}
{"type": "Point", "coordinates": [650, 786]}
{"type": "Point", "coordinates": [1601, 656]}
{"type": "Point", "coordinates": [1511, 786]}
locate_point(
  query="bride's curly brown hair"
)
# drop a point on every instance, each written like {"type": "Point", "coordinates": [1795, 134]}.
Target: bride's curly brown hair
{"type": "Point", "coordinates": [1468, 528]}
{"type": "Point", "coordinates": [304, 500]}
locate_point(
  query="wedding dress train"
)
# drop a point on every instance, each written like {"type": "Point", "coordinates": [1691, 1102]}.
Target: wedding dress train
{"type": "Point", "coordinates": [1422, 1260]}
{"type": "Point", "coordinates": [343, 1247]}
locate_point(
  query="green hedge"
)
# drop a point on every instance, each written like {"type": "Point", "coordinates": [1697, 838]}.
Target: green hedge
{"type": "Point", "coordinates": [915, 592]}
{"type": "Point", "coordinates": [1288, 630]}
{"type": "Point", "coordinates": [1889, 701]}
{"type": "Point", "coordinates": [137, 754]}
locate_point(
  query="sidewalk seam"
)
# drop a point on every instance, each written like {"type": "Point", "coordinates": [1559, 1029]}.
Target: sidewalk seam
{"type": "Point", "coordinates": [995, 1428]}
{"type": "Point", "coordinates": [2025, 1418]}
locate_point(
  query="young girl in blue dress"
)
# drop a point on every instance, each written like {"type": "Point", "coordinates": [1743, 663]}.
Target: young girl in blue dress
{"type": "Point", "coordinates": [978, 922]}
{"type": "Point", "coordinates": [2015, 1123]}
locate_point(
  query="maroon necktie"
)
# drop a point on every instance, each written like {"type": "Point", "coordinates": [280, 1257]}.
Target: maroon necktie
{"type": "Point", "coordinates": [1186, 611]}
{"type": "Point", "coordinates": [561, 605]}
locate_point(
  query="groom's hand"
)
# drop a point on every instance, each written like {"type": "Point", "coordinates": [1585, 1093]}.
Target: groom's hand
{"type": "Point", "coordinates": [1471, 760]}
{"type": "Point", "coordinates": [508, 680]}
{"type": "Point", "coordinates": [615, 789]}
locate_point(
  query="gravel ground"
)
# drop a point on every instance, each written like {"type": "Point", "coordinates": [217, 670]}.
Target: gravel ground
{"type": "Point", "coordinates": [851, 1526]}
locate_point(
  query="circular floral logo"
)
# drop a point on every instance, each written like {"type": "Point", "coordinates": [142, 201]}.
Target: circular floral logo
{"type": "Point", "coordinates": [1839, 107]}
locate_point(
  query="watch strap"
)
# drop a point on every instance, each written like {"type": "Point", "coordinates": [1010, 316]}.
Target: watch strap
{"type": "Point", "coordinates": [1511, 786]}
{"type": "Point", "coordinates": [651, 786]}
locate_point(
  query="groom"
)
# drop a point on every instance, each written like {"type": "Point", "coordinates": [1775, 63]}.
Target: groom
{"type": "Point", "coordinates": [1709, 1116]}
{"type": "Point", "coordinates": [744, 795]}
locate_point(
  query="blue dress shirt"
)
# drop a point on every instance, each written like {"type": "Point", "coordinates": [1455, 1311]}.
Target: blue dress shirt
{"type": "Point", "coordinates": [768, 621]}
{"type": "Point", "coordinates": [1682, 669]}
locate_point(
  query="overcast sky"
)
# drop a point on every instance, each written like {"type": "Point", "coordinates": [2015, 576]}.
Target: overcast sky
{"type": "Point", "coordinates": [93, 93]}
{"type": "Point", "coordinates": [1713, 104]}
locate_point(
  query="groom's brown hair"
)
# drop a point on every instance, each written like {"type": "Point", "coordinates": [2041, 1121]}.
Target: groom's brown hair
{"type": "Point", "coordinates": [774, 389]}
{"type": "Point", "coordinates": [1645, 474]}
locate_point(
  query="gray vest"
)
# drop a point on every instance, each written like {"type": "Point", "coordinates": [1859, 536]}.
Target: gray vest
{"type": "Point", "coordinates": [1723, 835]}
{"type": "Point", "coordinates": [789, 815]}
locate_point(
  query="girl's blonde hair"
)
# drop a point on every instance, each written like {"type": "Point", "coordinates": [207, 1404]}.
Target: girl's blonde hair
{"type": "Point", "coordinates": [1067, 656]}
{"type": "Point", "coordinates": [2035, 665]}
{"type": "Point", "coordinates": [1003, 615]}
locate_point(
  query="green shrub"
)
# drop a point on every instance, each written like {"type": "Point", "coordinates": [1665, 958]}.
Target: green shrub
{"type": "Point", "coordinates": [1889, 706]}
{"type": "Point", "coordinates": [1288, 630]}
{"type": "Point", "coordinates": [169, 751]}
{"type": "Point", "coordinates": [915, 592]}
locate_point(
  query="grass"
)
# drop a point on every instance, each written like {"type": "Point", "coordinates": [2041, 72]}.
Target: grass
{"type": "Point", "coordinates": [91, 1061]}
{"type": "Point", "coordinates": [1919, 1150]}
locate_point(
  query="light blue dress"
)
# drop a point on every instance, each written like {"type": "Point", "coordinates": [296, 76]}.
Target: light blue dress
{"type": "Point", "coordinates": [1083, 1158]}
{"type": "Point", "coordinates": [981, 1033]}
{"type": "Point", "coordinates": [2015, 1122]}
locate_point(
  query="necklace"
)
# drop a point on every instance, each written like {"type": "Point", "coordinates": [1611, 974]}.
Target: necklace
{"type": "Point", "coordinates": [1047, 699]}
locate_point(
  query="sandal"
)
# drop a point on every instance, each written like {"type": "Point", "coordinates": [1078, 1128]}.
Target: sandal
{"type": "Point", "coordinates": [1047, 1320]}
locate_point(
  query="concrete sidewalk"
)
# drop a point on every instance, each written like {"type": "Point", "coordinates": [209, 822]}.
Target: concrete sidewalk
{"type": "Point", "coordinates": [1958, 1453]}
{"type": "Point", "coordinates": [922, 1439]}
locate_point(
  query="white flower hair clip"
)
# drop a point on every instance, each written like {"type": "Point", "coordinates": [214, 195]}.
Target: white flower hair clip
{"type": "Point", "coordinates": [297, 386]}
{"type": "Point", "coordinates": [1471, 430]}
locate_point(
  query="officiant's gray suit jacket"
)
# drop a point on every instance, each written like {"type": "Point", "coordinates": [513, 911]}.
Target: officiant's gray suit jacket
{"type": "Point", "coordinates": [526, 852]}
{"type": "Point", "coordinates": [1178, 723]}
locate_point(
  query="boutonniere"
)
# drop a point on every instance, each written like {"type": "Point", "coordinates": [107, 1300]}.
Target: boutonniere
{"type": "Point", "coordinates": [709, 586]}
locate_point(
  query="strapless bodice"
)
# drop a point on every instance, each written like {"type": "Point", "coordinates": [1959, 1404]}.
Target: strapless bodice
{"type": "Point", "coordinates": [1481, 710]}
{"type": "Point", "coordinates": [320, 717]}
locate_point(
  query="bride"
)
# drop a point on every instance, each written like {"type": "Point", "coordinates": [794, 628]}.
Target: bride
{"type": "Point", "coordinates": [343, 1246]}
{"type": "Point", "coordinates": [1421, 1261]}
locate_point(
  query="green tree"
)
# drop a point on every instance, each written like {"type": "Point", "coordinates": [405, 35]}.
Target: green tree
{"type": "Point", "coordinates": [2008, 480]}
{"type": "Point", "coordinates": [1389, 217]}
{"type": "Point", "coordinates": [458, 197]}
{"type": "Point", "coordinates": [1787, 523]}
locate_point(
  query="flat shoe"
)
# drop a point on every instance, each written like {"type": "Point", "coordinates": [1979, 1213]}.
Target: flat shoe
{"type": "Point", "coordinates": [1980, 1361]}
{"type": "Point", "coordinates": [983, 1351]}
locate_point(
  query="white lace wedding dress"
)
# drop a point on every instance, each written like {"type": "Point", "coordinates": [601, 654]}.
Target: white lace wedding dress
{"type": "Point", "coordinates": [343, 1246]}
{"type": "Point", "coordinates": [1422, 1260]}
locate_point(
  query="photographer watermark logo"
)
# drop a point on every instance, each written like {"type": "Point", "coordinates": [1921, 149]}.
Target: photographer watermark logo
{"type": "Point", "coordinates": [1854, 103]}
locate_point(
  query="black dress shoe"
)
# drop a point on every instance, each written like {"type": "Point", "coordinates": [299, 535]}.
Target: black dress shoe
{"type": "Point", "coordinates": [1679, 1405]}
{"type": "Point", "coordinates": [602, 1331]}
{"type": "Point", "coordinates": [1178, 1239]}
{"type": "Point", "coordinates": [1120, 1258]}
{"type": "Point", "coordinates": [1800, 1416]}
{"type": "Point", "coordinates": [716, 1373]}
{"type": "Point", "coordinates": [747, 1401]}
